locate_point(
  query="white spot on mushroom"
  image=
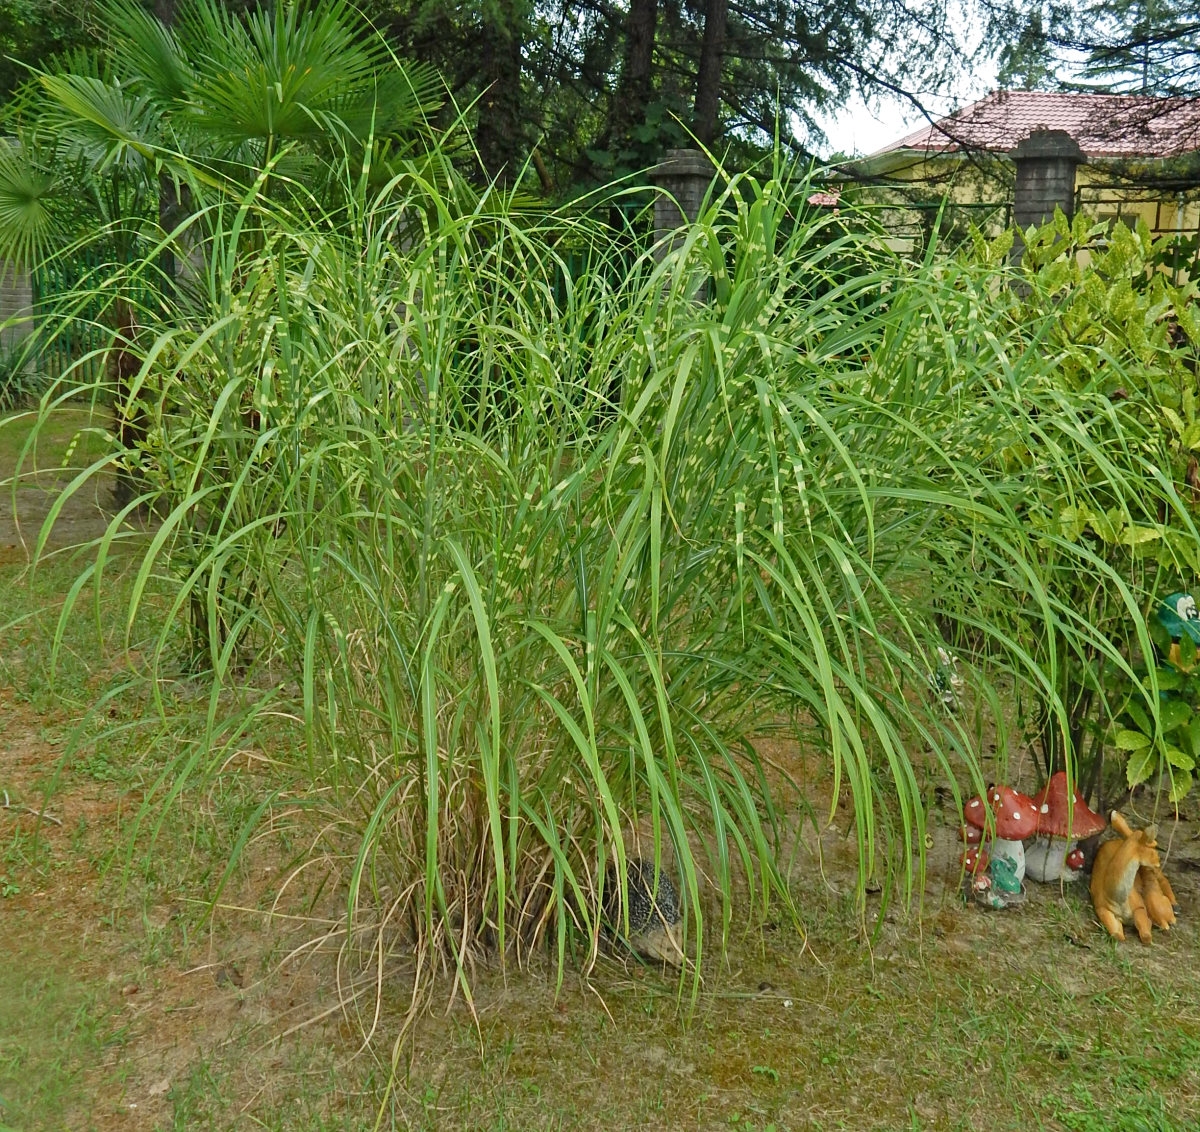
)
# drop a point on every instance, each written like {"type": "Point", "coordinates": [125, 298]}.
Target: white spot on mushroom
{"type": "Point", "coordinates": [1045, 808]}
{"type": "Point", "coordinates": [1016, 815]}
{"type": "Point", "coordinates": [973, 804]}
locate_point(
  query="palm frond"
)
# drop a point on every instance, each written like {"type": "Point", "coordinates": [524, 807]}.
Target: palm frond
{"type": "Point", "coordinates": [27, 205]}
{"type": "Point", "coordinates": [279, 74]}
{"type": "Point", "coordinates": [146, 53]}
{"type": "Point", "coordinates": [104, 122]}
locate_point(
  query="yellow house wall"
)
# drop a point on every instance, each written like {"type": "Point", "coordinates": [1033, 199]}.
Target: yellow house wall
{"type": "Point", "coordinates": [988, 181]}
{"type": "Point", "coordinates": [1165, 213]}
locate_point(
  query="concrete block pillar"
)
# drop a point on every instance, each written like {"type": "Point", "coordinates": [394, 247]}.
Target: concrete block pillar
{"type": "Point", "coordinates": [1046, 162]}
{"type": "Point", "coordinates": [682, 179]}
{"type": "Point", "coordinates": [16, 304]}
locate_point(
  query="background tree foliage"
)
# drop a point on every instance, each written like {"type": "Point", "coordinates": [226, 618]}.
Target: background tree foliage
{"type": "Point", "coordinates": [1119, 46]}
{"type": "Point", "coordinates": [569, 93]}
{"type": "Point", "coordinates": [603, 88]}
{"type": "Point", "coordinates": [34, 30]}
{"type": "Point", "coordinates": [585, 89]}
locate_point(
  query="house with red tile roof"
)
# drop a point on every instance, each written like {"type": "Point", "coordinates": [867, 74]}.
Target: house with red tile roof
{"type": "Point", "coordinates": [1105, 126]}
{"type": "Point", "coordinates": [1141, 158]}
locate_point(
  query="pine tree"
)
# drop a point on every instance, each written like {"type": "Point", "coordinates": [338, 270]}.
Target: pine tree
{"type": "Point", "coordinates": [1140, 46]}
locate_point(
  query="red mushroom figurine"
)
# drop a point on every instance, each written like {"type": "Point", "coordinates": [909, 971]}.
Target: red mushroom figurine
{"type": "Point", "coordinates": [974, 860]}
{"type": "Point", "coordinates": [970, 835]}
{"type": "Point", "coordinates": [976, 880]}
{"type": "Point", "coordinates": [1015, 818]}
{"type": "Point", "coordinates": [1063, 820]}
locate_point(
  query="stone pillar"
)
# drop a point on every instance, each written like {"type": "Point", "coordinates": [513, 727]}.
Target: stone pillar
{"type": "Point", "coordinates": [1046, 162]}
{"type": "Point", "coordinates": [681, 180]}
{"type": "Point", "coordinates": [16, 303]}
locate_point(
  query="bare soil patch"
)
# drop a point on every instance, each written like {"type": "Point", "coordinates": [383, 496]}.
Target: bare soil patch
{"type": "Point", "coordinates": [42, 473]}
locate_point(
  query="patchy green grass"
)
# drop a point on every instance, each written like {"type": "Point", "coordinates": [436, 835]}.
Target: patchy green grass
{"type": "Point", "coordinates": [958, 1029]}
{"type": "Point", "coordinates": [121, 1007]}
{"type": "Point", "coordinates": [55, 439]}
{"type": "Point", "coordinates": [953, 1022]}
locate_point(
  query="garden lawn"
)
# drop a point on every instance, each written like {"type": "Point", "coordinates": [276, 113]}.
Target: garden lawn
{"type": "Point", "coordinates": [122, 1007]}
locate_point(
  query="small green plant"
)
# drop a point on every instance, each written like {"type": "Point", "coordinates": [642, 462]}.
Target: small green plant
{"type": "Point", "coordinates": [749, 1123]}
{"type": "Point", "coordinates": [1173, 747]}
{"type": "Point", "coordinates": [21, 380]}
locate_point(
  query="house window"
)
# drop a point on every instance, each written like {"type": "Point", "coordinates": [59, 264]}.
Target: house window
{"type": "Point", "coordinates": [1129, 219]}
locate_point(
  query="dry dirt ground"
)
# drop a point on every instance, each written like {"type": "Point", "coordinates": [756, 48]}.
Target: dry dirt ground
{"type": "Point", "coordinates": [125, 1008]}
{"type": "Point", "coordinates": [117, 1017]}
{"type": "Point", "coordinates": [45, 470]}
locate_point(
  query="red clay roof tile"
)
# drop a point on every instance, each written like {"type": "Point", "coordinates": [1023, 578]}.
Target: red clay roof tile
{"type": "Point", "coordinates": [1103, 125]}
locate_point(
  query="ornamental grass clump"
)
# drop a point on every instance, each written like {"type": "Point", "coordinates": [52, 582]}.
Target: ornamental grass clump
{"type": "Point", "coordinates": [530, 561]}
{"type": "Point", "coordinates": [531, 555]}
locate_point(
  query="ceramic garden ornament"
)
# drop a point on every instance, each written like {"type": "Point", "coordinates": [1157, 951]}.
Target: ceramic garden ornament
{"type": "Point", "coordinates": [655, 912]}
{"type": "Point", "coordinates": [1013, 818]}
{"type": "Point", "coordinates": [1063, 821]}
{"type": "Point", "coordinates": [977, 880]}
{"type": "Point", "coordinates": [1179, 615]}
{"type": "Point", "coordinates": [1128, 885]}
{"type": "Point", "coordinates": [945, 681]}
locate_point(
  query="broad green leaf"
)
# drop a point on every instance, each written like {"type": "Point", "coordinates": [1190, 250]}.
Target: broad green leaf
{"type": "Point", "coordinates": [1175, 714]}
{"type": "Point", "coordinates": [1179, 759]}
{"type": "Point", "coordinates": [1169, 679]}
{"type": "Point", "coordinates": [1131, 741]}
{"type": "Point", "coordinates": [1181, 785]}
{"type": "Point", "coordinates": [1141, 765]}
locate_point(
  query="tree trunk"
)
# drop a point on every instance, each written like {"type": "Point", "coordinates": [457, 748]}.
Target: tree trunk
{"type": "Point", "coordinates": [498, 133]}
{"type": "Point", "coordinates": [131, 416]}
{"type": "Point", "coordinates": [637, 70]}
{"type": "Point", "coordinates": [708, 79]}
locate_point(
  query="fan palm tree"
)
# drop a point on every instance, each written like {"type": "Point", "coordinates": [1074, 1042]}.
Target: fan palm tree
{"type": "Point", "coordinates": [109, 140]}
{"type": "Point", "coordinates": [215, 97]}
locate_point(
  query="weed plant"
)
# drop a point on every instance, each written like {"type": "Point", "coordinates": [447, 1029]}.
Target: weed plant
{"type": "Point", "coordinates": [20, 380]}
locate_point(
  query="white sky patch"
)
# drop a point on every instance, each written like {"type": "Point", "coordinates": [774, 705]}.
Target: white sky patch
{"type": "Point", "coordinates": [859, 128]}
{"type": "Point", "coordinates": [862, 127]}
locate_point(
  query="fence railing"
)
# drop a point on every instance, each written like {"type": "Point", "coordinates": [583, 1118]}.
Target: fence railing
{"type": "Point", "coordinates": [74, 308]}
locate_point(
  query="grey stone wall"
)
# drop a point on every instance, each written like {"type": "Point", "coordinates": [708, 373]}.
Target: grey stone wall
{"type": "Point", "coordinates": [1046, 162]}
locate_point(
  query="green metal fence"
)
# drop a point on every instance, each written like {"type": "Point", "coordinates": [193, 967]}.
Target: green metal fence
{"type": "Point", "coordinates": [74, 308]}
{"type": "Point", "coordinates": [626, 226]}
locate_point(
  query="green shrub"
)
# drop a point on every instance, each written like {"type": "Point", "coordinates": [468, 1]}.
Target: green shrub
{"type": "Point", "coordinates": [20, 379]}
{"type": "Point", "coordinates": [1095, 457]}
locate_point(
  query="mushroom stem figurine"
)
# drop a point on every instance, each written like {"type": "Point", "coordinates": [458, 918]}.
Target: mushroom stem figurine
{"type": "Point", "coordinates": [1014, 818]}
{"type": "Point", "coordinates": [976, 880]}
{"type": "Point", "coordinates": [1063, 821]}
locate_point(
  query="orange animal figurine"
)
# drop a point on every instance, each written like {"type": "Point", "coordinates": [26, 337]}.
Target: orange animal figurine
{"type": "Point", "coordinates": [1128, 885]}
{"type": "Point", "coordinates": [1157, 896]}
